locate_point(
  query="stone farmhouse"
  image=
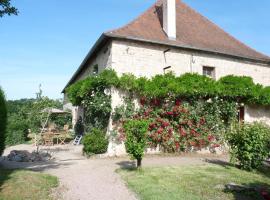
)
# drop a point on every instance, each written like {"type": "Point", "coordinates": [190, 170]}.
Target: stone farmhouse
{"type": "Point", "coordinates": [171, 36]}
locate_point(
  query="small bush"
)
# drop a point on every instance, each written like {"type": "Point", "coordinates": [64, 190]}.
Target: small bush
{"type": "Point", "coordinates": [3, 121]}
{"type": "Point", "coordinates": [136, 138]}
{"type": "Point", "coordinates": [95, 142]}
{"type": "Point", "coordinates": [16, 132]}
{"type": "Point", "coordinates": [249, 145]}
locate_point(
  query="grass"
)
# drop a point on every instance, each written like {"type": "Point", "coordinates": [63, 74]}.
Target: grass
{"type": "Point", "coordinates": [21, 184]}
{"type": "Point", "coordinates": [203, 182]}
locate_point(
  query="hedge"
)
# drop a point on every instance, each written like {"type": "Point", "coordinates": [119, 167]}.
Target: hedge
{"type": "Point", "coordinates": [3, 121]}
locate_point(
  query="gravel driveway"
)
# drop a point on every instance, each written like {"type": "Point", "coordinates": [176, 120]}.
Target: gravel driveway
{"type": "Point", "coordinates": [94, 179]}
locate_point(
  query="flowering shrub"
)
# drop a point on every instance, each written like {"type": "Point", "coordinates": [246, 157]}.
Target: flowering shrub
{"type": "Point", "coordinates": [181, 126]}
{"type": "Point", "coordinates": [97, 110]}
{"type": "Point", "coordinates": [186, 113]}
{"type": "Point", "coordinates": [177, 126]}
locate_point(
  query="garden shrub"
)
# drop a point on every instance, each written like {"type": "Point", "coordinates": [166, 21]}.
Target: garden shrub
{"type": "Point", "coordinates": [97, 110]}
{"type": "Point", "coordinates": [17, 130]}
{"type": "Point", "coordinates": [136, 138]}
{"type": "Point", "coordinates": [249, 144]}
{"type": "Point", "coordinates": [3, 121]}
{"type": "Point", "coordinates": [186, 113]}
{"type": "Point", "coordinates": [95, 142]}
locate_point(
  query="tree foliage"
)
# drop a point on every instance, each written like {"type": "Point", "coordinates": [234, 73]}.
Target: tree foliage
{"type": "Point", "coordinates": [241, 89]}
{"type": "Point", "coordinates": [3, 121]}
{"type": "Point", "coordinates": [249, 145]}
{"type": "Point", "coordinates": [27, 114]}
{"type": "Point", "coordinates": [7, 9]}
{"type": "Point", "coordinates": [136, 138]}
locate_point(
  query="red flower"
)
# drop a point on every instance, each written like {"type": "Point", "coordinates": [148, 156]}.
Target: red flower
{"type": "Point", "coordinates": [155, 102]}
{"type": "Point", "coordinates": [192, 143]}
{"type": "Point", "coordinates": [211, 138]}
{"type": "Point", "coordinates": [202, 121]}
{"type": "Point", "coordinates": [215, 145]}
{"type": "Point", "coordinates": [169, 113]}
{"type": "Point", "coordinates": [193, 132]}
{"type": "Point", "coordinates": [160, 130]}
{"type": "Point", "coordinates": [177, 102]}
{"type": "Point", "coordinates": [265, 194]}
{"type": "Point", "coordinates": [183, 132]}
{"type": "Point", "coordinates": [165, 124]}
{"type": "Point", "coordinates": [143, 101]}
{"type": "Point", "coordinates": [177, 145]}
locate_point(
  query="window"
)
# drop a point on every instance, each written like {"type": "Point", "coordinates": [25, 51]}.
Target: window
{"type": "Point", "coordinates": [95, 70]}
{"type": "Point", "coordinates": [167, 69]}
{"type": "Point", "coordinates": [209, 72]}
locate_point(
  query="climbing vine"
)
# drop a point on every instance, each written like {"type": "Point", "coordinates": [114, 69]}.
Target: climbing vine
{"type": "Point", "coordinates": [241, 89]}
{"type": "Point", "coordinates": [185, 113]}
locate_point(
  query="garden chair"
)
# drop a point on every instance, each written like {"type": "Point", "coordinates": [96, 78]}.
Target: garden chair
{"type": "Point", "coordinates": [48, 139]}
{"type": "Point", "coordinates": [66, 128]}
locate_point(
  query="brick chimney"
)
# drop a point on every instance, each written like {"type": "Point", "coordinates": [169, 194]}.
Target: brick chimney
{"type": "Point", "coordinates": [169, 18]}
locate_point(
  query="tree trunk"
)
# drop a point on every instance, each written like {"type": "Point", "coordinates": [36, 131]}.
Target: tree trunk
{"type": "Point", "coordinates": [139, 162]}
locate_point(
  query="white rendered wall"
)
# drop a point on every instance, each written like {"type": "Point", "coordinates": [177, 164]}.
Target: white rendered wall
{"type": "Point", "coordinates": [102, 59]}
{"type": "Point", "coordinates": [143, 59]}
{"type": "Point", "coordinates": [147, 60]}
{"type": "Point", "coordinates": [257, 113]}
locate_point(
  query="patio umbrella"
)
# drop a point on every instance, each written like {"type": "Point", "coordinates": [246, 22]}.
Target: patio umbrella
{"type": "Point", "coordinates": [49, 112]}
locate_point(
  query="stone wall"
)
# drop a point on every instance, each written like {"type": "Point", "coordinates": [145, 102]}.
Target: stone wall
{"type": "Point", "coordinates": [257, 113]}
{"type": "Point", "coordinates": [103, 59]}
{"type": "Point", "coordinates": [148, 60]}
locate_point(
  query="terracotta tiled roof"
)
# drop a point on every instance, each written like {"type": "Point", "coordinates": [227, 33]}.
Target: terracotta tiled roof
{"type": "Point", "coordinates": [193, 31]}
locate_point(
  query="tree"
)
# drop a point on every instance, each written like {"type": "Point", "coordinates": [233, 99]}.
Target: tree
{"type": "Point", "coordinates": [7, 9]}
{"type": "Point", "coordinates": [136, 138]}
{"type": "Point", "coordinates": [3, 121]}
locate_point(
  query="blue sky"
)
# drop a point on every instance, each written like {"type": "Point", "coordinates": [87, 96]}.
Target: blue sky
{"type": "Point", "coordinates": [47, 41]}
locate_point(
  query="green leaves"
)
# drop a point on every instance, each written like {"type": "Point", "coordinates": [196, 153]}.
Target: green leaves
{"type": "Point", "coordinates": [240, 89]}
{"type": "Point", "coordinates": [95, 142]}
{"type": "Point", "coordinates": [3, 121]}
{"type": "Point", "coordinates": [249, 144]}
{"type": "Point", "coordinates": [136, 139]}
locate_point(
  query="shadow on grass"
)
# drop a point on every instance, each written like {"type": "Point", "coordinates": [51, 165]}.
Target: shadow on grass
{"type": "Point", "coordinates": [219, 162]}
{"type": "Point", "coordinates": [264, 170]}
{"type": "Point", "coordinates": [127, 165]}
{"type": "Point", "coordinates": [251, 191]}
{"type": "Point", "coordinates": [4, 176]}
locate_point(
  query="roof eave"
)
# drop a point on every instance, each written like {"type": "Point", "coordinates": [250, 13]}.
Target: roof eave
{"type": "Point", "coordinates": [92, 51]}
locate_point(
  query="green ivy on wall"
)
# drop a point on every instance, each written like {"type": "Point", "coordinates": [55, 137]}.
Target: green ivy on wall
{"type": "Point", "coordinates": [240, 89]}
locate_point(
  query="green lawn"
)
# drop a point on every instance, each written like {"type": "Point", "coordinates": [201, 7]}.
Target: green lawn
{"type": "Point", "coordinates": [26, 185]}
{"type": "Point", "coordinates": [192, 183]}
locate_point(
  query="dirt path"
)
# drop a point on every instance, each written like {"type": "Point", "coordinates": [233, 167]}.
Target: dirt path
{"type": "Point", "coordinates": [95, 179]}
